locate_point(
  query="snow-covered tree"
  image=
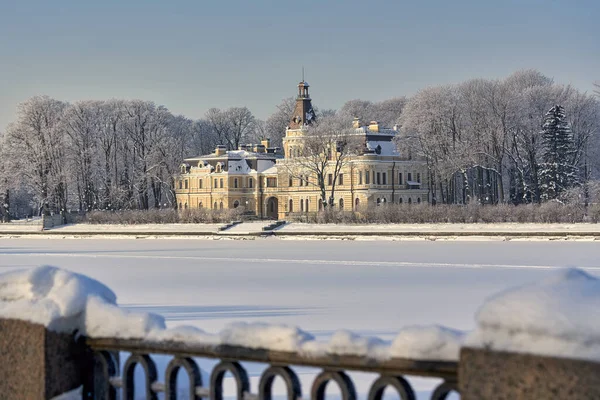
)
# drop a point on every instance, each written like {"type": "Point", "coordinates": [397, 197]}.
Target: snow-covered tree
{"type": "Point", "coordinates": [557, 172]}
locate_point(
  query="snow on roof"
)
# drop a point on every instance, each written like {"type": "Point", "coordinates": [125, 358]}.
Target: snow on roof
{"type": "Point", "coordinates": [413, 183]}
{"type": "Point", "coordinates": [386, 147]}
{"type": "Point", "coordinates": [270, 170]}
{"type": "Point", "coordinates": [559, 316]}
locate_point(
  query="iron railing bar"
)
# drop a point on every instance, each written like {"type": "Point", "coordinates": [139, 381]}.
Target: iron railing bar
{"type": "Point", "coordinates": [397, 366]}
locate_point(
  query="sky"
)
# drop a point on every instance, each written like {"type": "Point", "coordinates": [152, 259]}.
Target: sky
{"type": "Point", "coordinates": [192, 55]}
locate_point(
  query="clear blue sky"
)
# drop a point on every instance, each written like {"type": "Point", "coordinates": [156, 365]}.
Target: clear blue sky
{"type": "Point", "coordinates": [193, 55]}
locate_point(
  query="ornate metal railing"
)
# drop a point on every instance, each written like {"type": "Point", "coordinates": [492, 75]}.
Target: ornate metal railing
{"type": "Point", "coordinates": [108, 380]}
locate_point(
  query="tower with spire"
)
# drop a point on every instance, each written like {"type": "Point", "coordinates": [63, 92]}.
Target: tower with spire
{"type": "Point", "coordinates": [303, 111]}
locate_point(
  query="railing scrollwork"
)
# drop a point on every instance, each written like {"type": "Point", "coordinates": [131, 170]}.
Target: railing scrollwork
{"type": "Point", "coordinates": [108, 380]}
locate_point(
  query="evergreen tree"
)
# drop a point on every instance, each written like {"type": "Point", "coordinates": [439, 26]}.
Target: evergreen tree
{"type": "Point", "coordinates": [557, 171]}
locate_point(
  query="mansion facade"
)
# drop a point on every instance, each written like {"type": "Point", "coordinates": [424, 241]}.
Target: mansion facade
{"type": "Point", "coordinates": [258, 178]}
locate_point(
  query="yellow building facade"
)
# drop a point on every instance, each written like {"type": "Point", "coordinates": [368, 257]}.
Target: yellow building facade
{"type": "Point", "coordinates": [259, 179]}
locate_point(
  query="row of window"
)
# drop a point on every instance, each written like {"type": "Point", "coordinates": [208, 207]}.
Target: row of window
{"type": "Point", "coordinates": [379, 178]}
{"type": "Point", "coordinates": [216, 206]}
{"type": "Point", "coordinates": [304, 204]}
{"type": "Point", "coordinates": [218, 183]}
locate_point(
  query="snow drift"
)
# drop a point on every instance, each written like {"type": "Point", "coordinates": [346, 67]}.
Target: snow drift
{"type": "Point", "coordinates": [559, 316]}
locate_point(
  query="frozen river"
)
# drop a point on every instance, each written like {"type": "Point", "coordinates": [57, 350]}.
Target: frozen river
{"type": "Point", "coordinates": [370, 287]}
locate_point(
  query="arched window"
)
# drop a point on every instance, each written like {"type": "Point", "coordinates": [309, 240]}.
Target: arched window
{"type": "Point", "coordinates": [409, 200]}
{"type": "Point", "coordinates": [180, 206]}
{"type": "Point", "coordinates": [378, 201]}
{"type": "Point", "coordinates": [356, 203]}
{"type": "Point", "coordinates": [400, 200]}
{"type": "Point", "coordinates": [301, 205]}
{"type": "Point", "coordinates": [220, 205]}
{"type": "Point", "coordinates": [341, 204]}
{"type": "Point", "coordinates": [418, 200]}
{"type": "Point", "coordinates": [185, 206]}
{"type": "Point", "coordinates": [291, 208]}
{"type": "Point", "coordinates": [236, 204]}
{"type": "Point", "coordinates": [200, 205]}
{"type": "Point", "coordinates": [215, 206]}
{"type": "Point", "coordinates": [320, 205]}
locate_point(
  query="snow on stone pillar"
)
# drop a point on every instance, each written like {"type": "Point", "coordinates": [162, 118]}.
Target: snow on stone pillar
{"type": "Point", "coordinates": [36, 363]}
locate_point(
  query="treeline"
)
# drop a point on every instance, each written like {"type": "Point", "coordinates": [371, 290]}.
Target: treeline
{"type": "Point", "coordinates": [484, 141]}
{"type": "Point", "coordinates": [519, 140]}
{"type": "Point", "coordinates": [105, 155]}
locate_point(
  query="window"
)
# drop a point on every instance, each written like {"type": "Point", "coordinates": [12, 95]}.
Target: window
{"type": "Point", "coordinates": [186, 184]}
{"type": "Point", "coordinates": [180, 206]}
{"type": "Point", "coordinates": [215, 186]}
{"type": "Point", "coordinates": [367, 177]}
{"type": "Point", "coordinates": [384, 176]}
{"type": "Point", "coordinates": [341, 204]}
{"type": "Point", "coordinates": [360, 177]}
{"type": "Point", "coordinates": [180, 185]}
{"type": "Point", "coordinates": [301, 181]}
{"type": "Point", "coordinates": [418, 200]}
{"type": "Point", "coordinates": [235, 183]}
{"type": "Point", "coordinates": [250, 183]}
{"type": "Point", "coordinates": [215, 206]}
{"type": "Point", "coordinates": [379, 178]}
{"type": "Point", "coordinates": [199, 183]}
{"type": "Point", "coordinates": [341, 179]}
{"type": "Point", "coordinates": [400, 178]}
{"type": "Point", "coordinates": [220, 205]}
{"type": "Point", "coordinates": [409, 177]}
{"type": "Point", "coordinates": [271, 182]}
{"type": "Point", "coordinates": [356, 204]}
{"type": "Point", "coordinates": [301, 205]}
{"type": "Point", "coordinates": [291, 182]}
{"type": "Point", "coordinates": [400, 200]}
{"type": "Point", "coordinates": [291, 209]}
{"type": "Point", "coordinates": [419, 177]}
{"type": "Point", "coordinates": [409, 200]}
{"type": "Point", "coordinates": [236, 204]}
{"type": "Point", "coordinates": [200, 205]}
{"type": "Point", "coordinates": [185, 206]}
{"type": "Point", "coordinates": [330, 179]}
{"type": "Point", "coordinates": [374, 177]}
{"type": "Point", "coordinates": [221, 183]}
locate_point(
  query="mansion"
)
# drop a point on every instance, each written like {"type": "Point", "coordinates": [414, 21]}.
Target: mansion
{"type": "Point", "coordinates": [258, 178]}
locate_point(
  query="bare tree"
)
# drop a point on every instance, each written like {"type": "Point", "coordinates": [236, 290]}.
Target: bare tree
{"type": "Point", "coordinates": [242, 124]}
{"type": "Point", "coordinates": [277, 122]}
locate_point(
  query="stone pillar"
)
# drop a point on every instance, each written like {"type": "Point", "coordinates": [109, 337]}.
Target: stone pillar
{"type": "Point", "coordinates": [36, 363]}
{"type": "Point", "coordinates": [487, 375]}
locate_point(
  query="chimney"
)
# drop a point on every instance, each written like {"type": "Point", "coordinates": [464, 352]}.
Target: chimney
{"type": "Point", "coordinates": [374, 126]}
{"type": "Point", "coordinates": [356, 122]}
{"type": "Point", "coordinates": [266, 143]}
{"type": "Point", "coordinates": [259, 148]}
{"type": "Point", "coordinates": [220, 150]}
